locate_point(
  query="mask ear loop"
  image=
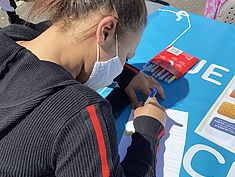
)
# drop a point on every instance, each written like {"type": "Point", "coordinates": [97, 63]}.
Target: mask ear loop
{"type": "Point", "coordinates": [97, 52]}
{"type": "Point", "coordinates": [116, 45]}
{"type": "Point", "coordinates": [98, 48]}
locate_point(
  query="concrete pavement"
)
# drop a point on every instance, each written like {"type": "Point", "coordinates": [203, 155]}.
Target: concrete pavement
{"type": "Point", "coordinates": [195, 6]}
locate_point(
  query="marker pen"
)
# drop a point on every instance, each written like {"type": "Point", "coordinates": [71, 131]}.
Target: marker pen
{"type": "Point", "coordinates": [154, 69]}
{"type": "Point", "coordinates": [164, 76]}
{"type": "Point", "coordinates": [146, 65]}
{"type": "Point", "coordinates": [156, 72]}
{"type": "Point", "coordinates": [151, 95]}
{"type": "Point", "coordinates": [160, 73]}
{"type": "Point", "coordinates": [150, 66]}
{"type": "Point", "coordinates": [166, 79]}
{"type": "Point", "coordinates": [171, 79]}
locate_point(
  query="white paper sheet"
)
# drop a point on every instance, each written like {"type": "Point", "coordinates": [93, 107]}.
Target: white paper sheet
{"type": "Point", "coordinates": [169, 157]}
{"type": "Point", "coordinates": [219, 128]}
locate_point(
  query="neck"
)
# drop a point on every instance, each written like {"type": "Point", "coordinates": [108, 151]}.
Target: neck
{"type": "Point", "coordinates": [61, 48]}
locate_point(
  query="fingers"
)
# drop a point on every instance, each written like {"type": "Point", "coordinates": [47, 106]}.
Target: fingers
{"type": "Point", "coordinates": [137, 105]}
{"type": "Point", "coordinates": [132, 95]}
{"type": "Point", "coordinates": [155, 84]}
{"type": "Point", "coordinates": [154, 102]}
{"type": "Point", "coordinates": [146, 92]}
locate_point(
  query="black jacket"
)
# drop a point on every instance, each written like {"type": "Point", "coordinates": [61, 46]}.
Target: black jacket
{"type": "Point", "coordinates": [51, 125]}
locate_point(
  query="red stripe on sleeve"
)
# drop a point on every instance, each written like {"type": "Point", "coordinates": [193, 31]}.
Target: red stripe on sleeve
{"type": "Point", "coordinates": [161, 134]}
{"type": "Point", "coordinates": [100, 139]}
{"type": "Point", "coordinates": [132, 68]}
{"type": "Point", "coordinates": [159, 137]}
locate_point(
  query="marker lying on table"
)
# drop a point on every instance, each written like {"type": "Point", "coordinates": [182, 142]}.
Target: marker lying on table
{"type": "Point", "coordinates": [129, 127]}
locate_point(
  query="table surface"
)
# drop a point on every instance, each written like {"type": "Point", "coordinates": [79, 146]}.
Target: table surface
{"type": "Point", "coordinates": [208, 40]}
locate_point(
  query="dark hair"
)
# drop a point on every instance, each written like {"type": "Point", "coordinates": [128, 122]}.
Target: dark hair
{"type": "Point", "coordinates": [131, 14]}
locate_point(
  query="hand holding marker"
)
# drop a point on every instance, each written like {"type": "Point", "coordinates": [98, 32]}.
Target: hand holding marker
{"type": "Point", "coordinates": [152, 95]}
{"type": "Point", "coordinates": [129, 127]}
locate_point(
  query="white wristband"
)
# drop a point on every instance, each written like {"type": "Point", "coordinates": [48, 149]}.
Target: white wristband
{"type": "Point", "coordinates": [129, 128]}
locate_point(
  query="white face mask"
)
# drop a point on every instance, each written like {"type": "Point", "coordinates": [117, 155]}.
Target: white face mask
{"type": "Point", "coordinates": [104, 72]}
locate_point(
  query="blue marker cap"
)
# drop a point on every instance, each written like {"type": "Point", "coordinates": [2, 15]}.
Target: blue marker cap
{"type": "Point", "coordinates": [153, 93]}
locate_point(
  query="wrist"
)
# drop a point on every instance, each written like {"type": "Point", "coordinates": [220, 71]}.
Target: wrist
{"type": "Point", "coordinates": [148, 126]}
{"type": "Point", "coordinates": [126, 76]}
{"type": "Point", "coordinates": [157, 113]}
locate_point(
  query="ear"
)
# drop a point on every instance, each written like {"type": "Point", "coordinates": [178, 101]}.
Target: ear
{"type": "Point", "coordinates": [106, 30]}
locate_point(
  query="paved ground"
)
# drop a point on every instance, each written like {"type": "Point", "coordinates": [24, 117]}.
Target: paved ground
{"type": "Point", "coordinates": [195, 6]}
{"type": "Point", "coordinates": [22, 10]}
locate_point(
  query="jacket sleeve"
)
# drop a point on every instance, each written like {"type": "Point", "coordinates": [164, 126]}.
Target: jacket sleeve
{"type": "Point", "coordinates": [140, 160]}
{"type": "Point", "coordinates": [126, 76]}
{"type": "Point", "coordinates": [87, 146]}
{"type": "Point", "coordinates": [118, 100]}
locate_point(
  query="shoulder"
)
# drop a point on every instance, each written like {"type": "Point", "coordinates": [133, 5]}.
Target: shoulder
{"type": "Point", "coordinates": [74, 100]}
{"type": "Point", "coordinates": [83, 111]}
{"type": "Point", "coordinates": [84, 95]}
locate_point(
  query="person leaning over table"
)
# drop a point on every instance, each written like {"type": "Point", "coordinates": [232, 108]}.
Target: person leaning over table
{"type": "Point", "coordinates": [52, 122]}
